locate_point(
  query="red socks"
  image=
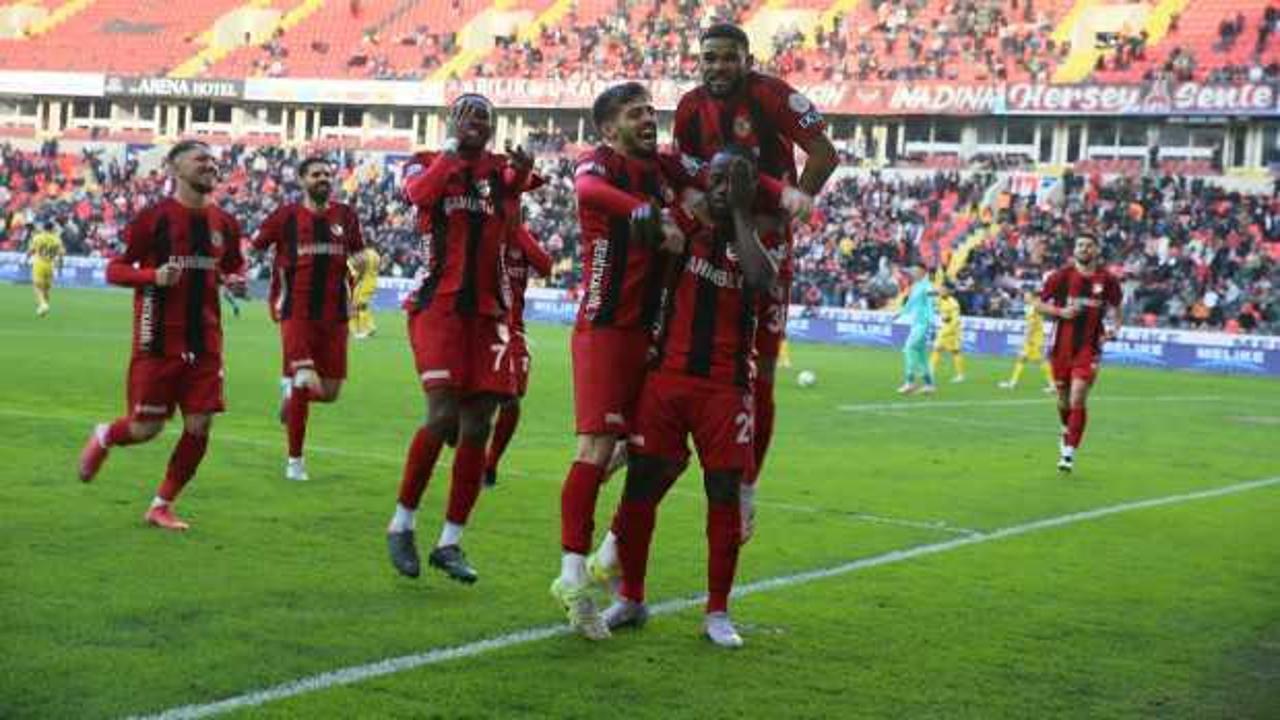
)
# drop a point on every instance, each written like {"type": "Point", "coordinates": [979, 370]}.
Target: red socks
{"type": "Point", "coordinates": [296, 419]}
{"type": "Point", "coordinates": [634, 527]}
{"type": "Point", "coordinates": [1076, 420]}
{"type": "Point", "coordinates": [118, 434]}
{"type": "Point", "coordinates": [503, 429]}
{"type": "Point", "coordinates": [418, 464]}
{"type": "Point", "coordinates": [182, 464]}
{"type": "Point", "coordinates": [764, 412]}
{"type": "Point", "coordinates": [468, 472]}
{"type": "Point", "coordinates": [724, 525]}
{"type": "Point", "coordinates": [578, 506]}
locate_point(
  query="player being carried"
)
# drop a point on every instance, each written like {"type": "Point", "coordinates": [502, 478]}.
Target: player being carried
{"type": "Point", "coordinates": [1032, 345]}
{"type": "Point", "coordinates": [45, 252]}
{"type": "Point", "coordinates": [920, 308]}
{"type": "Point", "coordinates": [1079, 296]}
{"type": "Point", "coordinates": [736, 105]}
{"type": "Point", "coordinates": [457, 322]}
{"type": "Point", "coordinates": [312, 241]}
{"type": "Point", "coordinates": [177, 251]}
{"type": "Point", "coordinates": [950, 333]}
{"type": "Point", "coordinates": [621, 187]}
{"type": "Point", "coordinates": [701, 387]}
{"type": "Point", "coordinates": [524, 255]}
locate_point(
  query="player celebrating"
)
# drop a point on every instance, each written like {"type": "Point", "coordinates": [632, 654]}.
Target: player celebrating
{"type": "Point", "coordinates": [523, 255]}
{"type": "Point", "coordinates": [620, 186]}
{"type": "Point", "coordinates": [1079, 296]}
{"type": "Point", "coordinates": [920, 307]}
{"type": "Point", "coordinates": [736, 105]}
{"type": "Point", "coordinates": [364, 276]}
{"type": "Point", "coordinates": [45, 252]}
{"type": "Point", "coordinates": [1032, 346]}
{"type": "Point", "coordinates": [457, 322]}
{"type": "Point", "coordinates": [176, 252]}
{"type": "Point", "coordinates": [701, 387]}
{"type": "Point", "coordinates": [949, 338]}
{"type": "Point", "coordinates": [313, 240]}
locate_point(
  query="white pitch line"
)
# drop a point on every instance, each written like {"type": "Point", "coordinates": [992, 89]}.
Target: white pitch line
{"type": "Point", "coordinates": [925, 404]}
{"type": "Point", "coordinates": [938, 526]}
{"type": "Point", "coordinates": [390, 666]}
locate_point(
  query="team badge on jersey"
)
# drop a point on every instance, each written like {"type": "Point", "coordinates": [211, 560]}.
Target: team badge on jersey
{"type": "Point", "coordinates": [216, 238]}
{"type": "Point", "coordinates": [483, 188]}
{"type": "Point", "coordinates": [336, 229]}
{"type": "Point", "coordinates": [742, 126]}
{"type": "Point", "coordinates": [1097, 288]}
{"type": "Point", "coordinates": [798, 103]}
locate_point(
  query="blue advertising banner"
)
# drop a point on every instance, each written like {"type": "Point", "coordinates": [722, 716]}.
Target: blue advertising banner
{"type": "Point", "coordinates": [1142, 347]}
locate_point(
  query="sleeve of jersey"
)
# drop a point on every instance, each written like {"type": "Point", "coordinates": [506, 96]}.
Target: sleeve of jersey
{"type": "Point", "coordinates": [597, 194]}
{"type": "Point", "coordinates": [1050, 290]}
{"type": "Point", "coordinates": [538, 258]}
{"type": "Point", "coordinates": [355, 236]}
{"type": "Point", "coordinates": [682, 131]}
{"type": "Point", "coordinates": [122, 269]}
{"type": "Point", "coordinates": [232, 262]}
{"type": "Point", "coordinates": [423, 186]}
{"type": "Point", "coordinates": [795, 115]}
{"type": "Point", "coordinates": [268, 233]}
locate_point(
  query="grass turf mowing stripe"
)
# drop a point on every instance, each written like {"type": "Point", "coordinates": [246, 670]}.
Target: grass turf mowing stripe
{"type": "Point", "coordinates": [359, 673]}
{"type": "Point", "coordinates": [922, 404]}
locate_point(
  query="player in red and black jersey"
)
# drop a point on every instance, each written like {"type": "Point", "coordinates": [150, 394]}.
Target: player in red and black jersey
{"type": "Point", "coordinates": [622, 188]}
{"type": "Point", "coordinates": [524, 255]}
{"type": "Point", "coordinates": [458, 321]}
{"type": "Point", "coordinates": [1079, 296]}
{"type": "Point", "coordinates": [177, 252]}
{"type": "Point", "coordinates": [312, 241]}
{"type": "Point", "coordinates": [701, 387]}
{"type": "Point", "coordinates": [738, 106]}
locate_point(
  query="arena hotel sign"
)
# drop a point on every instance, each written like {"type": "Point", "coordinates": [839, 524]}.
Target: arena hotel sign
{"type": "Point", "coordinates": [177, 88]}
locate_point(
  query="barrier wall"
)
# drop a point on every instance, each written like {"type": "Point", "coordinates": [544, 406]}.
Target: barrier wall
{"type": "Point", "coordinates": [1171, 349]}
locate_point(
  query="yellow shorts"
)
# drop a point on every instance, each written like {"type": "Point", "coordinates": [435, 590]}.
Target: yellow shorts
{"type": "Point", "coordinates": [1033, 351]}
{"type": "Point", "coordinates": [42, 274]}
{"type": "Point", "coordinates": [947, 342]}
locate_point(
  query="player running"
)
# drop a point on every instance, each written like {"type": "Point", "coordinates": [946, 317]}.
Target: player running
{"type": "Point", "coordinates": [45, 252]}
{"type": "Point", "coordinates": [701, 387]}
{"type": "Point", "coordinates": [737, 106]}
{"type": "Point", "coordinates": [620, 186]}
{"type": "Point", "coordinates": [1032, 346]}
{"type": "Point", "coordinates": [1079, 296]}
{"type": "Point", "coordinates": [524, 255]}
{"type": "Point", "coordinates": [176, 253]}
{"type": "Point", "coordinates": [312, 241]}
{"type": "Point", "coordinates": [457, 322]}
{"type": "Point", "coordinates": [364, 277]}
{"type": "Point", "coordinates": [950, 338]}
{"type": "Point", "coordinates": [920, 308]}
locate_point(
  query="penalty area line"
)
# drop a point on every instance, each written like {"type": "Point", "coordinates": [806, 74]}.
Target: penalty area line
{"type": "Point", "coordinates": [359, 673]}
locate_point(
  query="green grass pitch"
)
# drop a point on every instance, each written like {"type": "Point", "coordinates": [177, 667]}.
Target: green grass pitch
{"type": "Point", "coordinates": [1169, 612]}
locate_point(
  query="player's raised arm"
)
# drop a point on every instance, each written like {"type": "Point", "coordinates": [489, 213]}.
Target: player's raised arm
{"type": "Point", "coordinates": [424, 183]}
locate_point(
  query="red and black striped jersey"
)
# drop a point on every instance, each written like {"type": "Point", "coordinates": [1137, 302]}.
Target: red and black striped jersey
{"type": "Point", "coordinates": [622, 278]}
{"type": "Point", "coordinates": [184, 319]}
{"type": "Point", "coordinates": [524, 254]}
{"type": "Point", "coordinates": [464, 215]}
{"type": "Point", "coordinates": [769, 117]}
{"type": "Point", "coordinates": [710, 328]}
{"type": "Point", "coordinates": [1091, 294]}
{"type": "Point", "coordinates": [309, 273]}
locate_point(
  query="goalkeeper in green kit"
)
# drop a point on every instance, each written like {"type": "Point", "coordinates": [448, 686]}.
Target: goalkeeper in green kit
{"type": "Point", "coordinates": [921, 307]}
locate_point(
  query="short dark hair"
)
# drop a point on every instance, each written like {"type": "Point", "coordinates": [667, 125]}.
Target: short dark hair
{"type": "Point", "coordinates": [727, 31]}
{"type": "Point", "coordinates": [609, 102]}
{"type": "Point", "coordinates": [306, 164]}
{"type": "Point", "coordinates": [1083, 236]}
{"type": "Point", "coordinates": [184, 146]}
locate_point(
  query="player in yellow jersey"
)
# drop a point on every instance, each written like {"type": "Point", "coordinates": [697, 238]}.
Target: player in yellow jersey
{"type": "Point", "coordinates": [45, 251]}
{"type": "Point", "coordinates": [949, 339]}
{"type": "Point", "coordinates": [1032, 347]}
{"type": "Point", "coordinates": [784, 354]}
{"type": "Point", "coordinates": [366, 283]}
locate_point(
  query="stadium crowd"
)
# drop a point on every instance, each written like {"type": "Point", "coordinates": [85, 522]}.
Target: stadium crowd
{"type": "Point", "coordinates": [1191, 254]}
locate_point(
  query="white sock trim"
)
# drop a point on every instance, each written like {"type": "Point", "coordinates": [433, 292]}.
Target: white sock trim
{"type": "Point", "coordinates": [450, 534]}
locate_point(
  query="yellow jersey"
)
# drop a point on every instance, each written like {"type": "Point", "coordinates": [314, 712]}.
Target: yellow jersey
{"type": "Point", "coordinates": [1034, 326]}
{"type": "Point", "coordinates": [46, 246]}
{"type": "Point", "coordinates": [949, 315]}
{"type": "Point", "coordinates": [366, 281]}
